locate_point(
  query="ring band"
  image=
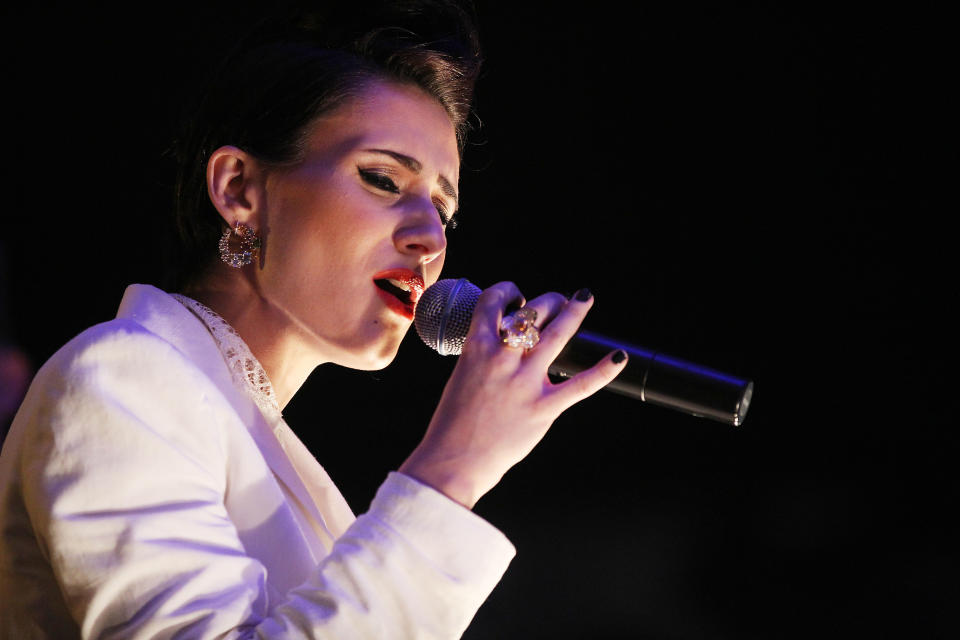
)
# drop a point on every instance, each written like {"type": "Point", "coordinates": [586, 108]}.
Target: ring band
{"type": "Point", "coordinates": [517, 329]}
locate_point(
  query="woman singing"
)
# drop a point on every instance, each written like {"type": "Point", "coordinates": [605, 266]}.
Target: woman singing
{"type": "Point", "coordinates": [150, 486]}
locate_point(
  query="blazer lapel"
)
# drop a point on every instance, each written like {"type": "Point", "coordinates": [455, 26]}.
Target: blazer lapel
{"type": "Point", "coordinates": [164, 316]}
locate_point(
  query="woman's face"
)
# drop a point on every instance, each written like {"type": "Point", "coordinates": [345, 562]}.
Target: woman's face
{"type": "Point", "coordinates": [358, 222]}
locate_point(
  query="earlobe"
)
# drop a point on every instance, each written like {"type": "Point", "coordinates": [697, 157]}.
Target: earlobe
{"type": "Point", "coordinates": [233, 184]}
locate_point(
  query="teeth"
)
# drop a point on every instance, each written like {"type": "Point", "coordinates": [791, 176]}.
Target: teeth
{"type": "Point", "coordinates": [398, 284]}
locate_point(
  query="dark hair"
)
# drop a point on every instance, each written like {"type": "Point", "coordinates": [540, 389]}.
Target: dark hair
{"type": "Point", "coordinates": [288, 73]}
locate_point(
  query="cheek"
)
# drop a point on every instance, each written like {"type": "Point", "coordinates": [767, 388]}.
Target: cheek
{"type": "Point", "coordinates": [314, 229]}
{"type": "Point", "coordinates": [434, 268]}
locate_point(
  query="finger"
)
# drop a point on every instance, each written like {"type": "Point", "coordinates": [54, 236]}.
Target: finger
{"type": "Point", "coordinates": [586, 383]}
{"type": "Point", "coordinates": [556, 334]}
{"type": "Point", "coordinates": [485, 323]}
{"type": "Point", "coordinates": [547, 307]}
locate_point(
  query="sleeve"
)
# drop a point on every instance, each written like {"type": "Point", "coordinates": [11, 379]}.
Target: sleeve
{"type": "Point", "coordinates": [124, 475]}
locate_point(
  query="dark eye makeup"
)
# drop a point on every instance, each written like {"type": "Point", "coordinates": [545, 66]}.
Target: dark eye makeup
{"type": "Point", "coordinates": [448, 221]}
{"type": "Point", "coordinates": [383, 182]}
{"type": "Point", "coordinates": [379, 180]}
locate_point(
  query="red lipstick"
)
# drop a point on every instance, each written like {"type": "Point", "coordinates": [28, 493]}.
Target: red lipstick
{"type": "Point", "coordinates": [399, 289]}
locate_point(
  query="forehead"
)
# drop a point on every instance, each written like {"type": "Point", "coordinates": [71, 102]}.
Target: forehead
{"type": "Point", "coordinates": [387, 115]}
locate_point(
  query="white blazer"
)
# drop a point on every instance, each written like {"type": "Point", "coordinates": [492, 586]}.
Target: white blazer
{"type": "Point", "coordinates": [144, 495]}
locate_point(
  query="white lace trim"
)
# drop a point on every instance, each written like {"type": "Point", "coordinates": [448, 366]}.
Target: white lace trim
{"type": "Point", "coordinates": [247, 372]}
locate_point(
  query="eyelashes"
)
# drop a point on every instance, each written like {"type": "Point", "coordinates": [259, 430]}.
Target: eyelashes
{"type": "Point", "coordinates": [383, 182]}
{"type": "Point", "coordinates": [379, 180]}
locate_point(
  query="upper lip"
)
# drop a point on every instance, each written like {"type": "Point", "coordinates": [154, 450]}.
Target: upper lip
{"type": "Point", "coordinates": [408, 277]}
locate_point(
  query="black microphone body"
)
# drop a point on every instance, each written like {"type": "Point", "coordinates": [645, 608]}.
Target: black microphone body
{"type": "Point", "coordinates": [660, 379]}
{"type": "Point", "coordinates": [442, 320]}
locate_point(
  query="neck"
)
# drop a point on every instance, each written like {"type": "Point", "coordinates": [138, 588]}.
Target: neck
{"type": "Point", "coordinates": [272, 338]}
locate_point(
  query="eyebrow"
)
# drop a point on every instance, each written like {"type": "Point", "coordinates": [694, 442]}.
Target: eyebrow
{"type": "Point", "coordinates": [415, 166]}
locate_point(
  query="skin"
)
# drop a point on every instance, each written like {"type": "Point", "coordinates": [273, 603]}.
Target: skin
{"type": "Point", "coordinates": [348, 210]}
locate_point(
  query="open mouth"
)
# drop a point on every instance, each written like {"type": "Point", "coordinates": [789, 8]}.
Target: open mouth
{"type": "Point", "coordinates": [395, 289]}
{"type": "Point", "coordinates": [399, 289]}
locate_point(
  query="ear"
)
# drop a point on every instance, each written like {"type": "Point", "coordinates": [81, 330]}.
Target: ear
{"type": "Point", "coordinates": [235, 183]}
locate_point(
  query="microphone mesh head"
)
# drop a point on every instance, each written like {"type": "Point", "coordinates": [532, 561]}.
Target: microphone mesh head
{"type": "Point", "coordinates": [443, 313]}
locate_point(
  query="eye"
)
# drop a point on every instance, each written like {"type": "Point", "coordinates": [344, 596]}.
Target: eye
{"type": "Point", "coordinates": [449, 221]}
{"type": "Point", "coordinates": [379, 180]}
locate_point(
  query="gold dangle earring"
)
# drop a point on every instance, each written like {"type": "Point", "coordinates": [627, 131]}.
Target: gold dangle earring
{"type": "Point", "coordinates": [249, 246]}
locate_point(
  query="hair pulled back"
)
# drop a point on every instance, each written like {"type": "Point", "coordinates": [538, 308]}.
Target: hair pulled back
{"type": "Point", "coordinates": [286, 74]}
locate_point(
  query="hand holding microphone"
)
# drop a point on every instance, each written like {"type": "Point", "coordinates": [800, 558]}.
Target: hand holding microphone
{"type": "Point", "coordinates": [499, 402]}
{"type": "Point", "coordinates": [443, 316]}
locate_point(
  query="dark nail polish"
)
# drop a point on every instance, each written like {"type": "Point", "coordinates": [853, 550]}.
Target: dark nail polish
{"type": "Point", "coordinates": [619, 356]}
{"type": "Point", "coordinates": [583, 295]}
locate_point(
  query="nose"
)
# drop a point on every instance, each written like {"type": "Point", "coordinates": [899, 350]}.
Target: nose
{"type": "Point", "coordinates": [421, 231]}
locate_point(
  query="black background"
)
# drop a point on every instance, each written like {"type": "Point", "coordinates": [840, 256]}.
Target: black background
{"type": "Point", "coordinates": [746, 185]}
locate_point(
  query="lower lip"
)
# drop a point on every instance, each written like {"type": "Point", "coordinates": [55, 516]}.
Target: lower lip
{"type": "Point", "coordinates": [405, 310]}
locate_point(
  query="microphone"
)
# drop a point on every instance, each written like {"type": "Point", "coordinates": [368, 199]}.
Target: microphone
{"type": "Point", "coordinates": [442, 319]}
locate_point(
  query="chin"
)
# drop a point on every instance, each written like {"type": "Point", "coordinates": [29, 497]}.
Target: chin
{"type": "Point", "coordinates": [371, 364]}
{"type": "Point", "coordinates": [370, 358]}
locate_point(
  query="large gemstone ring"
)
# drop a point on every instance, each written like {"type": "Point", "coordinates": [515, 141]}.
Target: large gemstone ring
{"type": "Point", "coordinates": [517, 329]}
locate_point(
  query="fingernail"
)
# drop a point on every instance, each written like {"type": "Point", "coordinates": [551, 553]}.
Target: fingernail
{"type": "Point", "coordinates": [583, 295]}
{"type": "Point", "coordinates": [619, 356]}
